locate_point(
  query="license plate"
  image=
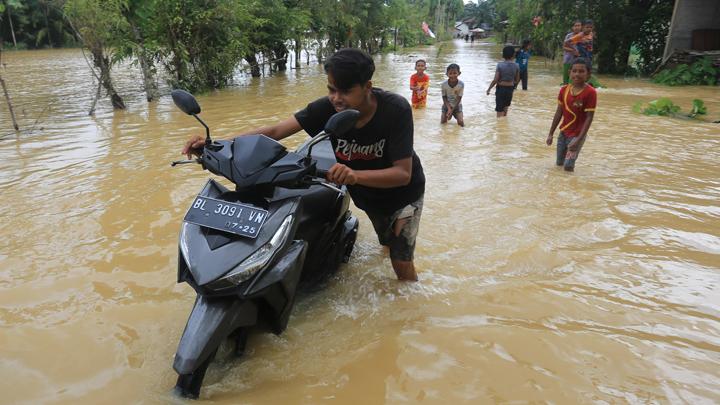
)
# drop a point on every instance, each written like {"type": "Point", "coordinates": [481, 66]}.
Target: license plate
{"type": "Point", "coordinates": [240, 219]}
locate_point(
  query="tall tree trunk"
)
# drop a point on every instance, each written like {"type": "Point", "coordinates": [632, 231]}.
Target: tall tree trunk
{"type": "Point", "coordinates": [102, 63]}
{"type": "Point", "coordinates": [12, 30]}
{"type": "Point", "coordinates": [254, 67]}
{"type": "Point", "coordinates": [298, 49]}
{"type": "Point", "coordinates": [7, 96]}
{"type": "Point", "coordinates": [146, 64]}
{"type": "Point", "coordinates": [47, 23]}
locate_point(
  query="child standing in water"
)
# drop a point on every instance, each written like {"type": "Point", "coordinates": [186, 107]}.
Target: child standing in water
{"type": "Point", "coordinates": [576, 107]}
{"type": "Point", "coordinates": [507, 75]}
{"type": "Point", "coordinates": [452, 92]}
{"type": "Point", "coordinates": [570, 52]}
{"type": "Point", "coordinates": [419, 83]}
{"type": "Point", "coordinates": [522, 58]}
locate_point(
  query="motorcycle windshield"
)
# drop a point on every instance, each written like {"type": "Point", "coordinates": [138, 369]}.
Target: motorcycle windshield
{"type": "Point", "coordinates": [253, 153]}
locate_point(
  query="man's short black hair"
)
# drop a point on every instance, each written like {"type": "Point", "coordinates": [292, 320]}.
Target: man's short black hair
{"type": "Point", "coordinates": [587, 22]}
{"type": "Point", "coordinates": [350, 67]}
{"type": "Point", "coordinates": [453, 66]}
{"type": "Point", "coordinates": [508, 52]}
{"type": "Point", "coordinates": [582, 61]}
{"type": "Point", "coordinates": [525, 43]}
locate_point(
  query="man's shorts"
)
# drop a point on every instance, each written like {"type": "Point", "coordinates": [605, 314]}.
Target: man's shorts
{"type": "Point", "coordinates": [402, 247]}
{"type": "Point", "coordinates": [503, 97]}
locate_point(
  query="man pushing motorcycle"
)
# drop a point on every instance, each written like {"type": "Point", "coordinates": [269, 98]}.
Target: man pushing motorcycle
{"type": "Point", "coordinates": [376, 159]}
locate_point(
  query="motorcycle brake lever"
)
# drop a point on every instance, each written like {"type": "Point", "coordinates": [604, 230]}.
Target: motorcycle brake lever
{"type": "Point", "coordinates": [185, 161]}
{"type": "Point", "coordinates": [322, 182]}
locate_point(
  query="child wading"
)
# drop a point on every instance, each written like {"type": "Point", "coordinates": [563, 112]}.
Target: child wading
{"type": "Point", "coordinates": [419, 83]}
{"type": "Point", "coordinates": [507, 75]}
{"type": "Point", "coordinates": [522, 58]}
{"type": "Point", "coordinates": [452, 92]}
{"type": "Point", "coordinates": [576, 107]}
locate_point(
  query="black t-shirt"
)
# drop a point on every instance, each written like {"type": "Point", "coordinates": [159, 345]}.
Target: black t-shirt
{"type": "Point", "coordinates": [386, 138]}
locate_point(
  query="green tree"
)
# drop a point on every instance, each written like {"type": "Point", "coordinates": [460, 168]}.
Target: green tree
{"type": "Point", "coordinates": [201, 42]}
{"type": "Point", "coordinates": [99, 23]}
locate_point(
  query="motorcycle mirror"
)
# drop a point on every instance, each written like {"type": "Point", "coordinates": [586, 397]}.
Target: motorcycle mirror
{"type": "Point", "coordinates": [342, 122]}
{"type": "Point", "coordinates": [185, 102]}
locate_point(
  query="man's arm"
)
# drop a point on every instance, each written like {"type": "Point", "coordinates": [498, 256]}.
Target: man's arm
{"type": "Point", "coordinates": [398, 175]}
{"type": "Point", "coordinates": [281, 130]}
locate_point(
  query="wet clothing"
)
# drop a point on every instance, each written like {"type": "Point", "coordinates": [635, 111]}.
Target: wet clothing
{"type": "Point", "coordinates": [453, 93]}
{"type": "Point", "coordinates": [584, 44]}
{"type": "Point", "coordinates": [575, 108]}
{"type": "Point", "coordinates": [419, 100]}
{"type": "Point", "coordinates": [565, 157]}
{"type": "Point", "coordinates": [503, 97]}
{"type": "Point", "coordinates": [568, 56]}
{"type": "Point", "coordinates": [386, 138]}
{"type": "Point", "coordinates": [507, 71]}
{"type": "Point", "coordinates": [402, 246]}
{"type": "Point", "coordinates": [522, 58]}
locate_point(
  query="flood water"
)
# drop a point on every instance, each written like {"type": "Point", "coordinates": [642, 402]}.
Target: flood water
{"type": "Point", "coordinates": [535, 284]}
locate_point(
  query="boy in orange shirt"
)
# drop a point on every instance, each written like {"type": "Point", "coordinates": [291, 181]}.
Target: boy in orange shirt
{"type": "Point", "coordinates": [419, 83]}
{"type": "Point", "coordinates": [576, 107]}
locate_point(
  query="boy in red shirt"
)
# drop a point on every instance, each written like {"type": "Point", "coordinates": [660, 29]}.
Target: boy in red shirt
{"type": "Point", "coordinates": [576, 107]}
{"type": "Point", "coordinates": [419, 83]}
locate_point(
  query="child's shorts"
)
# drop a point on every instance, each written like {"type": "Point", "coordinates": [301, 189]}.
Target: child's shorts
{"type": "Point", "coordinates": [503, 97]}
{"type": "Point", "coordinates": [402, 247]}
{"type": "Point", "coordinates": [457, 110]}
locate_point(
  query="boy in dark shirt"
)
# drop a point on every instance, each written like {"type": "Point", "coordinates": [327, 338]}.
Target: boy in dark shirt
{"type": "Point", "coordinates": [376, 159]}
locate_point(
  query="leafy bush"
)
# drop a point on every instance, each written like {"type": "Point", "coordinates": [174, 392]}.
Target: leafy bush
{"type": "Point", "coordinates": [665, 107]}
{"type": "Point", "coordinates": [698, 108]}
{"type": "Point", "coordinates": [662, 106]}
{"type": "Point", "coordinates": [702, 72]}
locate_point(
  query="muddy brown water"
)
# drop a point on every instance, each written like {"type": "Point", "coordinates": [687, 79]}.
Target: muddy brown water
{"type": "Point", "coordinates": [536, 285]}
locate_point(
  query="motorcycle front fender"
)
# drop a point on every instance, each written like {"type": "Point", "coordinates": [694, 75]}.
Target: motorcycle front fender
{"type": "Point", "coordinates": [211, 321]}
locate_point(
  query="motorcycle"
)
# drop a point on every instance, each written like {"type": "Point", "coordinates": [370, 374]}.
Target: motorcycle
{"type": "Point", "coordinates": [245, 251]}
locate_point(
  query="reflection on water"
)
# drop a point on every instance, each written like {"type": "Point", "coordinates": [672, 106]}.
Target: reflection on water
{"type": "Point", "coordinates": [536, 284]}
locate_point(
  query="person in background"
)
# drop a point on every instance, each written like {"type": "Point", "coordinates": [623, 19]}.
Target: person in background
{"type": "Point", "coordinates": [570, 52]}
{"type": "Point", "coordinates": [576, 106]}
{"type": "Point", "coordinates": [419, 83]}
{"type": "Point", "coordinates": [522, 58]}
{"type": "Point", "coordinates": [507, 75]}
{"type": "Point", "coordinates": [452, 92]}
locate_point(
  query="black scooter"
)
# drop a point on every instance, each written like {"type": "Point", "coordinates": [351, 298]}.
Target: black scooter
{"type": "Point", "coordinates": [245, 251]}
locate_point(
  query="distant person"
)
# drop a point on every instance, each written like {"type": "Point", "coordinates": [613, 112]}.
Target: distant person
{"type": "Point", "coordinates": [472, 38]}
{"type": "Point", "coordinates": [452, 92]}
{"type": "Point", "coordinates": [576, 107]}
{"type": "Point", "coordinates": [570, 51]}
{"type": "Point", "coordinates": [522, 58]}
{"type": "Point", "coordinates": [583, 41]}
{"type": "Point", "coordinates": [419, 83]}
{"type": "Point", "coordinates": [507, 75]}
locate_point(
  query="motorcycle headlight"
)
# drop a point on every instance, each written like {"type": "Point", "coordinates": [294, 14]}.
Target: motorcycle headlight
{"type": "Point", "coordinates": [258, 260]}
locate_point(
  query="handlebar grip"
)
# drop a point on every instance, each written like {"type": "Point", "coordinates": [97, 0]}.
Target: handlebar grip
{"type": "Point", "coordinates": [321, 173]}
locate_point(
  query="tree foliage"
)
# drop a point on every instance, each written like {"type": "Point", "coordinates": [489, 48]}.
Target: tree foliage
{"type": "Point", "coordinates": [619, 24]}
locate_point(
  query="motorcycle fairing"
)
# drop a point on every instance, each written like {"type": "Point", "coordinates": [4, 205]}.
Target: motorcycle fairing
{"type": "Point", "coordinates": [207, 264]}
